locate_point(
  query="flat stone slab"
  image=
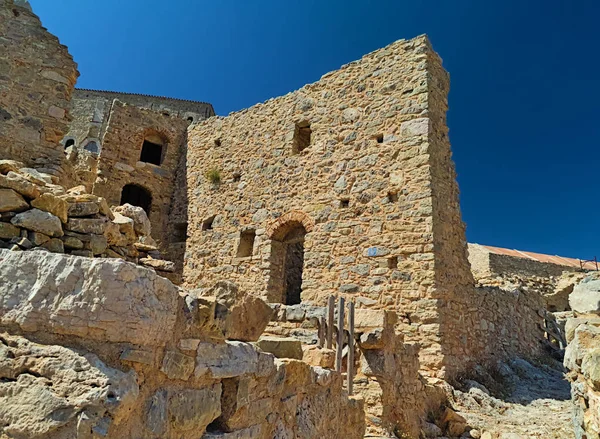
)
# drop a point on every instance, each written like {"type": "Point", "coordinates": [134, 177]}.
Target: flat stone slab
{"type": "Point", "coordinates": [281, 347]}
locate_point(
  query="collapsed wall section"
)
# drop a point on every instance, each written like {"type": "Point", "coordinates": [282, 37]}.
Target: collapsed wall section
{"type": "Point", "coordinates": [37, 76]}
{"type": "Point", "coordinates": [138, 163]}
{"type": "Point", "coordinates": [107, 136]}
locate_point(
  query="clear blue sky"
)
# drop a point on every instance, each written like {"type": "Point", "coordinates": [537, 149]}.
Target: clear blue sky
{"type": "Point", "coordinates": [524, 107]}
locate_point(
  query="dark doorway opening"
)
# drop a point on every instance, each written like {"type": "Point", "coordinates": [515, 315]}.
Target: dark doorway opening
{"type": "Point", "coordinates": [287, 265]}
{"type": "Point", "coordinates": [137, 196]}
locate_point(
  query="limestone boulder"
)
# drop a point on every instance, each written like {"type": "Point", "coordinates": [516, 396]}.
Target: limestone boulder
{"type": "Point", "coordinates": [193, 409]}
{"type": "Point", "coordinates": [8, 231]}
{"type": "Point", "coordinates": [77, 190]}
{"type": "Point", "coordinates": [37, 220]}
{"type": "Point", "coordinates": [35, 176]}
{"type": "Point", "coordinates": [12, 201]}
{"type": "Point", "coordinates": [71, 242]}
{"type": "Point", "coordinates": [7, 166]}
{"type": "Point", "coordinates": [281, 347]}
{"type": "Point", "coordinates": [54, 245]}
{"type": "Point", "coordinates": [240, 315]}
{"type": "Point", "coordinates": [590, 367]}
{"type": "Point", "coordinates": [86, 208]}
{"type": "Point", "coordinates": [87, 225]}
{"type": "Point", "coordinates": [158, 264]}
{"type": "Point", "coordinates": [585, 297]}
{"type": "Point", "coordinates": [321, 357]}
{"type": "Point", "coordinates": [53, 189]}
{"type": "Point", "coordinates": [52, 204]}
{"type": "Point", "coordinates": [44, 388]}
{"type": "Point", "coordinates": [226, 360]}
{"type": "Point", "coordinates": [98, 244]}
{"type": "Point", "coordinates": [126, 226]}
{"type": "Point", "coordinates": [586, 338]}
{"type": "Point", "coordinates": [37, 238]}
{"type": "Point", "coordinates": [139, 217]}
{"type": "Point", "coordinates": [109, 300]}
{"type": "Point", "coordinates": [20, 184]}
{"type": "Point", "coordinates": [572, 323]}
{"type": "Point", "coordinates": [114, 236]}
{"type": "Point", "coordinates": [182, 413]}
{"type": "Point", "coordinates": [177, 365]}
{"type": "Point", "coordinates": [104, 209]}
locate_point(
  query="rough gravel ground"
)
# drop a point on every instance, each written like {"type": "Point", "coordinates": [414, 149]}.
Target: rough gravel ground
{"type": "Point", "coordinates": [535, 404]}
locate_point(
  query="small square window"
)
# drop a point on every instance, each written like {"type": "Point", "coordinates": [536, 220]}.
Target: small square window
{"type": "Point", "coordinates": [379, 138]}
{"type": "Point", "coordinates": [302, 135]}
{"type": "Point", "coordinates": [237, 177]}
{"type": "Point", "coordinates": [392, 197]}
{"type": "Point", "coordinates": [151, 153]}
{"type": "Point", "coordinates": [217, 142]}
{"type": "Point", "coordinates": [345, 203]}
{"type": "Point", "coordinates": [207, 224]}
{"type": "Point", "coordinates": [393, 262]}
{"type": "Point", "coordinates": [246, 245]}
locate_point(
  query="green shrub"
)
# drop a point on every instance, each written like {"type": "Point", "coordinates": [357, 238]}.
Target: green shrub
{"type": "Point", "coordinates": [213, 175]}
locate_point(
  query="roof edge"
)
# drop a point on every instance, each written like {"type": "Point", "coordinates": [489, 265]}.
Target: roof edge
{"type": "Point", "coordinates": [144, 95]}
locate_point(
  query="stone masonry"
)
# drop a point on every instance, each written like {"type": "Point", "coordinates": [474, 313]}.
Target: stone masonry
{"type": "Point", "coordinates": [37, 76]}
{"type": "Point", "coordinates": [105, 143]}
{"type": "Point", "coordinates": [358, 166]}
{"type": "Point", "coordinates": [345, 187]}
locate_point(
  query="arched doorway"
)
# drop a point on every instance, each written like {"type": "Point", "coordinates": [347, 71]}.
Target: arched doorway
{"type": "Point", "coordinates": [287, 264]}
{"type": "Point", "coordinates": [137, 196]}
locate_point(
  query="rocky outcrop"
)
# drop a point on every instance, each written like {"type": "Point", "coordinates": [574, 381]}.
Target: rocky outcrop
{"type": "Point", "coordinates": [582, 359]}
{"type": "Point", "coordinates": [585, 298]}
{"type": "Point", "coordinates": [102, 299]}
{"type": "Point", "coordinates": [241, 316]}
{"type": "Point", "coordinates": [46, 388]}
{"type": "Point", "coordinates": [103, 348]}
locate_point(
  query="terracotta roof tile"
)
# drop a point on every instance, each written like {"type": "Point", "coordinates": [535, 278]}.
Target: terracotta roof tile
{"type": "Point", "coordinates": [558, 260]}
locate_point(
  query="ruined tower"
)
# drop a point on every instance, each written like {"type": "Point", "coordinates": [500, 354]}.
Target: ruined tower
{"type": "Point", "coordinates": [344, 187]}
{"type": "Point", "coordinates": [37, 76]}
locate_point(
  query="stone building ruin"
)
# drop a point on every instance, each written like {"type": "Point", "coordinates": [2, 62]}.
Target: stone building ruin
{"type": "Point", "coordinates": [345, 188]}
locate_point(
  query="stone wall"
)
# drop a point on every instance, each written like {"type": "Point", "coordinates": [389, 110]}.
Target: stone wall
{"type": "Point", "coordinates": [150, 362]}
{"type": "Point", "coordinates": [360, 161]}
{"type": "Point", "coordinates": [552, 281]}
{"type": "Point", "coordinates": [120, 164]}
{"type": "Point", "coordinates": [386, 369]}
{"type": "Point", "coordinates": [38, 215]}
{"type": "Point", "coordinates": [485, 263]}
{"type": "Point", "coordinates": [192, 111]}
{"type": "Point", "coordinates": [37, 76]}
{"type": "Point", "coordinates": [106, 138]}
{"type": "Point", "coordinates": [91, 111]}
{"type": "Point", "coordinates": [506, 324]}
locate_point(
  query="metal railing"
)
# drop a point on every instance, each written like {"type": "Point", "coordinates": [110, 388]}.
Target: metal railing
{"type": "Point", "coordinates": [582, 263]}
{"type": "Point", "coordinates": [343, 338]}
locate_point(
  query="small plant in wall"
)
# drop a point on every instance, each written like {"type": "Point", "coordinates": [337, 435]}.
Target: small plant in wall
{"type": "Point", "coordinates": [214, 176]}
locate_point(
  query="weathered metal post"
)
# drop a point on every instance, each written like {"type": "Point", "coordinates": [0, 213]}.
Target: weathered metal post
{"type": "Point", "coordinates": [350, 347]}
{"type": "Point", "coordinates": [340, 340]}
{"type": "Point", "coordinates": [330, 311]}
{"type": "Point", "coordinates": [322, 331]}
